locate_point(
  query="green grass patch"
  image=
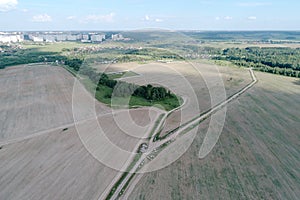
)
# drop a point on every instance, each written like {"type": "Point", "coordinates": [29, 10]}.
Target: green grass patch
{"type": "Point", "coordinates": [156, 125]}
{"type": "Point", "coordinates": [121, 94]}
{"type": "Point", "coordinates": [104, 94]}
{"type": "Point", "coordinates": [167, 104]}
{"type": "Point", "coordinates": [126, 185]}
{"type": "Point", "coordinates": [54, 47]}
{"type": "Point", "coordinates": [116, 185]}
{"type": "Point", "coordinates": [125, 74]}
{"type": "Point", "coordinates": [69, 69]}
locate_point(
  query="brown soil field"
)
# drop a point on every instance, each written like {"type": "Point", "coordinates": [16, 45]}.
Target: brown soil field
{"type": "Point", "coordinates": [36, 98]}
{"type": "Point", "coordinates": [52, 166]}
{"type": "Point", "coordinates": [129, 127]}
{"type": "Point", "coordinates": [42, 154]}
{"type": "Point", "coordinates": [256, 157]}
{"type": "Point", "coordinates": [197, 82]}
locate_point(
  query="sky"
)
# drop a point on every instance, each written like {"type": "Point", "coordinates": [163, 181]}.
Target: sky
{"type": "Point", "coordinates": [31, 15]}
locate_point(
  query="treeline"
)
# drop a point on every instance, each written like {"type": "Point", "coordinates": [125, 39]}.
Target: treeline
{"type": "Point", "coordinates": [123, 89]}
{"type": "Point", "coordinates": [154, 53]}
{"type": "Point", "coordinates": [74, 63]}
{"type": "Point", "coordinates": [251, 36]}
{"type": "Point", "coordinates": [24, 56]}
{"type": "Point", "coordinates": [283, 61]}
{"type": "Point", "coordinates": [268, 69]}
{"type": "Point", "coordinates": [120, 88]}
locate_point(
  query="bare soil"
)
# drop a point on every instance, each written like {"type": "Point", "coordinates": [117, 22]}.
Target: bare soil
{"type": "Point", "coordinates": [256, 156]}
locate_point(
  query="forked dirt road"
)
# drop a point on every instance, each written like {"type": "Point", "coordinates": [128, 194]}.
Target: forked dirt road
{"type": "Point", "coordinates": [155, 145]}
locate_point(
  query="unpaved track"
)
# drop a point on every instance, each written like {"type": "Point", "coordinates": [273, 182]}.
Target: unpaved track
{"type": "Point", "coordinates": [155, 145]}
{"type": "Point", "coordinates": [259, 144]}
{"type": "Point", "coordinates": [206, 115]}
{"type": "Point", "coordinates": [66, 125]}
{"type": "Point", "coordinates": [161, 123]}
{"type": "Point", "coordinates": [39, 159]}
{"type": "Point", "coordinates": [34, 98]}
{"type": "Point", "coordinates": [44, 132]}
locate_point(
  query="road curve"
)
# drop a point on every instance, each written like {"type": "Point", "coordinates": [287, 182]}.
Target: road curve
{"type": "Point", "coordinates": [155, 145]}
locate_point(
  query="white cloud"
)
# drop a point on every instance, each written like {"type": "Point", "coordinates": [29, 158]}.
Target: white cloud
{"type": "Point", "coordinates": [252, 18]}
{"type": "Point", "coordinates": [7, 5]}
{"type": "Point", "coordinates": [42, 18]}
{"type": "Point", "coordinates": [228, 18]}
{"type": "Point", "coordinates": [254, 4]}
{"type": "Point", "coordinates": [71, 17]}
{"type": "Point", "coordinates": [99, 18]}
{"type": "Point", "coordinates": [151, 19]}
{"type": "Point", "coordinates": [147, 18]}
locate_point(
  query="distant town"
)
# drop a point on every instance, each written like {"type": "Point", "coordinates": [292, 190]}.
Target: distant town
{"type": "Point", "coordinates": [90, 37]}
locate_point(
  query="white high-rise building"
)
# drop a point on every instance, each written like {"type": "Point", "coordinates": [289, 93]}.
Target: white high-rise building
{"type": "Point", "coordinates": [49, 38]}
{"type": "Point", "coordinates": [71, 37]}
{"type": "Point", "coordinates": [117, 37]}
{"type": "Point", "coordinates": [60, 37]}
{"type": "Point", "coordinates": [97, 38]}
{"type": "Point", "coordinates": [6, 38]}
{"type": "Point", "coordinates": [37, 39]}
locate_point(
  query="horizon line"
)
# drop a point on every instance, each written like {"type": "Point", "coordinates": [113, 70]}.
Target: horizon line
{"type": "Point", "coordinates": [152, 29]}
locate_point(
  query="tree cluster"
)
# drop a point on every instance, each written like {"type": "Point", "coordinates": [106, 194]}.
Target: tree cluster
{"type": "Point", "coordinates": [74, 63]}
{"type": "Point", "coordinates": [124, 89]}
{"type": "Point", "coordinates": [120, 88]}
{"type": "Point", "coordinates": [152, 93]}
{"type": "Point", "coordinates": [25, 56]}
{"type": "Point", "coordinates": [283, 61]}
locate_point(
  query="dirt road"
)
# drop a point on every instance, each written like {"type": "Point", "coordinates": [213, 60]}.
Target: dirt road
{"type": "Point", "coordinates": [155, 145]}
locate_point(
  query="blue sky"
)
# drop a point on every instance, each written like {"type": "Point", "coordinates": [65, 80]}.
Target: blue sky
{"type": "Point", "coordinates": [141, 14]}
